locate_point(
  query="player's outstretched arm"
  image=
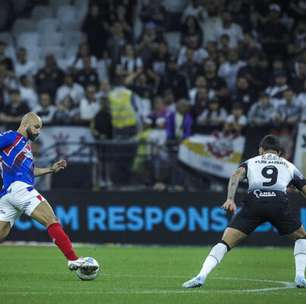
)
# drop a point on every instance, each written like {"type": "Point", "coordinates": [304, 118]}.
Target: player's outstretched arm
{"type": "Point", "coordinates": [54, 168]}
{"type": "Point", "coordinates": [239, 175]}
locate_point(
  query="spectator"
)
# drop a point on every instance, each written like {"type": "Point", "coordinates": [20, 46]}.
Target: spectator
{"type": "Point", "coordinates": [248, 46]}
{"type": "Point", "coordinates": [89, 105]}
{"type": "Point", "coordinates": [245, 94]}
{"type": "Point", "coordinates": [262, 112]}
{"type": "Point", "coordinates": [45, 109]}
{"type": "Point", "coordinates": [212, 50]}
{"type": "Point", "coordinates": [229, 69]}
{"type": "Point", "coordinates": [189, 68]}
{"type": "Point", "coordinates": [288, 113]}
{"type": "Point", "coordinates": [255, 71]}
{"type": "Point", "coordinates": [159, 60]}
{"type": "Point", "coordinates": [301, 102]}
{"type": "Point", "coordinates": [22, 65]}
{"type": "Point", "coordinates": [101, 124]}
{"type": "Point", "coordinates": [15, 109]}
{"type": "Point", "coordinates": [5, 58]}
{"type": "Point", "coordinates": [128, 62]}
{"type": "Point", "coordinates": [200, 83]}
{"type": "Point", "coordinates": [7, 78]}
{"type": "Point", "coordinates": [191, 28]}
{"type": "Point", "coordinates": [297, 9]}
{"type": "Point", "coordinates": [278, 87]}
{"type": "Point", "coordinates": [236, 121]}
{"type": "Point", "coordinates": [174, 80]}
{"type": "Point", "coordinates": [153, 12]}
{"type": "Point", "coordinates": [149, 41]}
{"type": "Point", "coordinates": [223, 48]}
{"type": "Point", "coordinates": [179, 122]}
{"type": "Point", "coordinates": [71, 89]}
{"type": "Point", "coordinates": [66, 112]}
{"type": "Point", "coordinates": [192, 43]}
{"type": "Point", "coordinates": [87, 76]}
{"type": "Point", "coordinates": [212, 118]}
{"type": "Point", "coordinates": [122, 17]}
{"type": "Point", "coordinates": [301, 97]}
{"type": "Point", "coordinates": [214, 82]}
{"type": "Point", "coordinates": [231, 29]}
{"type": "Point", "coordinates": [78, 62]}
{"type": "Point", "coordinates": [299, 76]}
{"type": "Point", "coordinates": [194, 9]}
{"type": "Point", "coordinates": [157, 117]}
{"type": "Point", "coordinates": [27, 92]}
{"type": "Point", "coordinates": [104, 66]}
{"type": "Point", "coordinates": [95, 26]}
{"type": "Point", "coordinates": [212, 22]}
{"type": "Point", "coordinates": [298, 40]}
{"type": "Point", "coordinates": [169, 100]}
{"type": "Point", "coordinates": [116, 41]}
{"type": "Point", "coordinates": [274, 35]}
{"type": "Point", "coordinates": [104, 89]}
{"type": "Point", "coordinates": [49, 77]}
{"type": "Point", "coordinates": [201, 102]}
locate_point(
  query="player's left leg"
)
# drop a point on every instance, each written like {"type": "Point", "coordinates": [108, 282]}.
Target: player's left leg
{"type": "Point", "coordinates": [231, 238]}
{"type": "Point", "coordinates": [299, 236]}
{"type": "Point", "coordinates": [242, 224]}
{"type": "Point", "coordinates": [5, 228]}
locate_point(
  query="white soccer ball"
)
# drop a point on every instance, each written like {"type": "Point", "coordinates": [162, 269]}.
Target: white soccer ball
{"type": "Point", "coordinates": [88, 274]}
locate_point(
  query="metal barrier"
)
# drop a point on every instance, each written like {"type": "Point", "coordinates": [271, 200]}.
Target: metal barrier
{"type": "Point", "coordinates": [118, 165]}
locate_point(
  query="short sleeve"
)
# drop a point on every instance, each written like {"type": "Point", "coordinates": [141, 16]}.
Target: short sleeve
{"type": "Point", "coordinates": [298, 179]}
{"type": "Point", "coordinates": [6, 139]}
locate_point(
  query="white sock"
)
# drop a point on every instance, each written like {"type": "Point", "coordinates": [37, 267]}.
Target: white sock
{"type": "Point", "coordinates": [300, 257]}
{"type": "Point", "coordinates": [213, 259]}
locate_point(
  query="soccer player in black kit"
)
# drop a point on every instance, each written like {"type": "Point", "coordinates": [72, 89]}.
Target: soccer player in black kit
{"type": "Point", "coordinates": [268, 176]}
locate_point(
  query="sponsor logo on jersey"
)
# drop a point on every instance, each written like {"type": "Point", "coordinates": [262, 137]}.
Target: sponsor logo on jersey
{"type": "Point", "coordinates": [258, 193]}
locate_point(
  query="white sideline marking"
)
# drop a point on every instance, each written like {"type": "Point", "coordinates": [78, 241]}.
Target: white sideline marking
{"type": "Point", "coordinates": [80, 291]}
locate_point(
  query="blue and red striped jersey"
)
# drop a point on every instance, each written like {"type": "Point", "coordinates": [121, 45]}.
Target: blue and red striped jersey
{"type": "Point", "coordinates": [16, 159]}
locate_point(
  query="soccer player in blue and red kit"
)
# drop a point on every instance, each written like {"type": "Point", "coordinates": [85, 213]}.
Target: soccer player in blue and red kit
{"type": "Point", "coordinates": [18, 195]}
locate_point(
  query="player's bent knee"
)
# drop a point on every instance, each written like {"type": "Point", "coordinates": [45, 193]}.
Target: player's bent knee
{"type": "Point", "coordinates": [232, 237]}
{"type": "Point", "coordinates": [4, 231]}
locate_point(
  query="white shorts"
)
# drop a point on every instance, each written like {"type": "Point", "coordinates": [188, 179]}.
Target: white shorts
{"type": "Point", "coordinates": [20, 198]}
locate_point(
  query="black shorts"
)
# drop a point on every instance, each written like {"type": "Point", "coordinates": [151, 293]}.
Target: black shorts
{"type": "Point", "coordinates": [259, 208]}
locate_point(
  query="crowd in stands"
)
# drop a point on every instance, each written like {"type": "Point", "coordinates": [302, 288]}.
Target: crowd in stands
{"type": "Point", "coordinates": [177, 66]}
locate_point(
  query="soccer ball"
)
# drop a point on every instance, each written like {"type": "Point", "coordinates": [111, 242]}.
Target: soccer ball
{"type": "Point", "coordinates": [87, 274]}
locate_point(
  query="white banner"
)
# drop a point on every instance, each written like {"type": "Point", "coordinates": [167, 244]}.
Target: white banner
{"type": "Point", "coordinates": [300, 149]}
{"type": "Point", "coordinates": [68, 142]}
{"type": "Point", "coordinates": [215, 154]}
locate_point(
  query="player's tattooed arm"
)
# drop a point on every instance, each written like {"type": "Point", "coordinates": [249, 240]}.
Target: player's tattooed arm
{"type": "Point", "coordinates": [238, 176]}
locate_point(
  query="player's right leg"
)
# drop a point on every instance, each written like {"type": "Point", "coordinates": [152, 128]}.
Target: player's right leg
{"type": "Point", "coordinates": [43, 213]}
{"type": "Point", "coordinates": [231, 238]}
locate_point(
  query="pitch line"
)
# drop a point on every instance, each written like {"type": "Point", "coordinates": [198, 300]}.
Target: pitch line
{"type": "Point", "coordinates": [122, 291]}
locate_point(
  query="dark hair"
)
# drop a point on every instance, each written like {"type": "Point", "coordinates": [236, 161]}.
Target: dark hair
{"type": "Point", "coordinates": [271, 142]}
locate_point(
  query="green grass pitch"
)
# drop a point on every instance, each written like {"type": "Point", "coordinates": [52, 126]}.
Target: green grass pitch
{"type": "Point", "coordinates": [147, 275]}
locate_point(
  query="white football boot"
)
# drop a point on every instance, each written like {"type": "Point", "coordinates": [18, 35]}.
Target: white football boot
{"type": "Point", "coordinates": [194, 282]}
{"type": "Point", "coordinates": [76, 264]}
{"type": "Point", "coordinates": [300, 282]}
